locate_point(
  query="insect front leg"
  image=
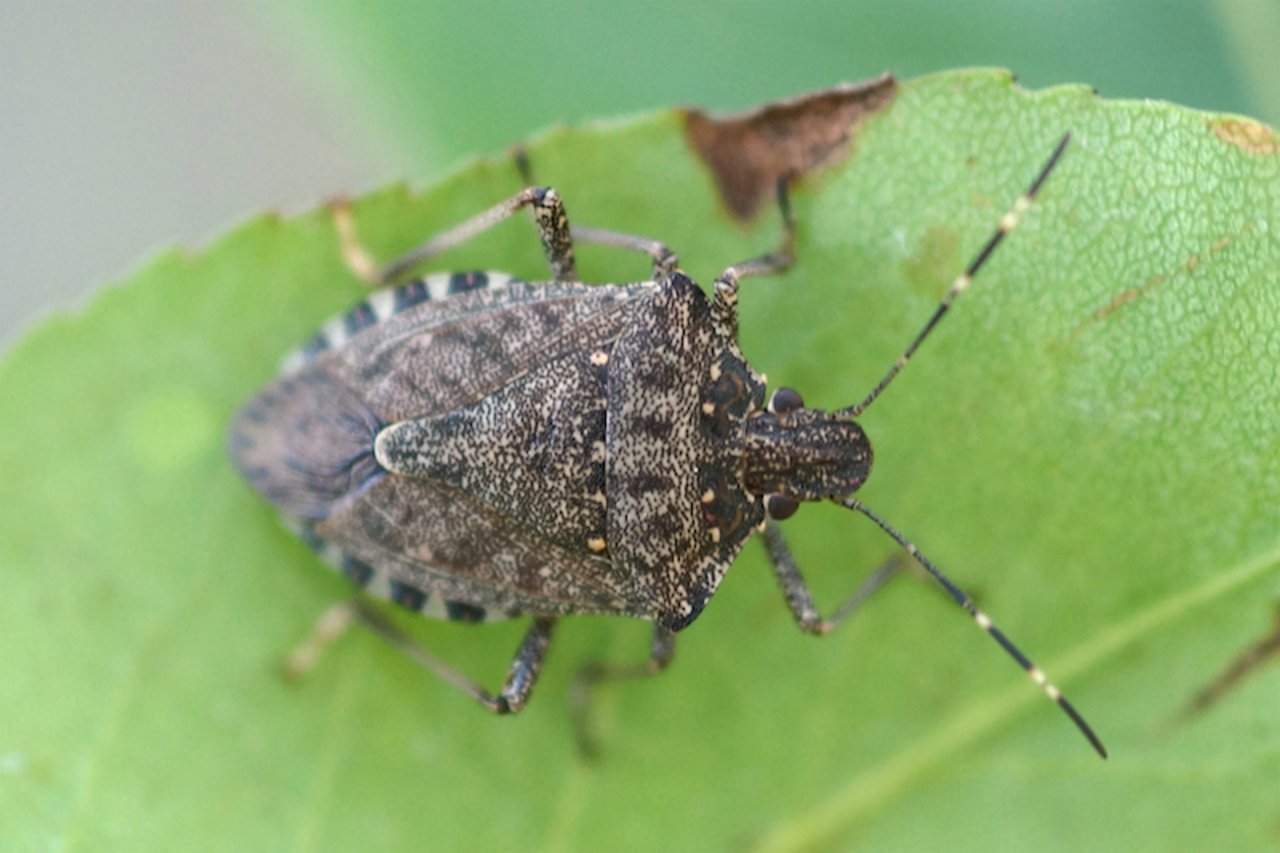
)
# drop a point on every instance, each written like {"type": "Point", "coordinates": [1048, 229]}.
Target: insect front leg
{"type": "Point", "coordinates": [800, 598]}
{"type": "Point", "coordinates": [662, 650]}
{"type": "Point", "coordinates": [516, 688]}
{"type": "Point", "coordinates": [724, 306]}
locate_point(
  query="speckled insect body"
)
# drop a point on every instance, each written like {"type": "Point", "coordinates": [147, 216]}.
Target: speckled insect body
{"type": "Point", "coordinates": [537, 467]}
{"type": "Point", "coordinates": [474, 446]}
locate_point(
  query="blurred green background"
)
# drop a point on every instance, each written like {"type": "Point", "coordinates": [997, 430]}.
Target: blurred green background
{"type": "Point", "coordinates": [126, 126]}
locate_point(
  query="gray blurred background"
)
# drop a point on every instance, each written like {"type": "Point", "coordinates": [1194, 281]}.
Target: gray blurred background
{"type": "Point", "coordinates": [126, 126]}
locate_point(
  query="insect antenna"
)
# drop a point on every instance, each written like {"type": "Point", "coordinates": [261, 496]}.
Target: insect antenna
{"type": "Point", "coordinates": [1007, 223]}
{"type": "Point", "coordinates": [984, 622]}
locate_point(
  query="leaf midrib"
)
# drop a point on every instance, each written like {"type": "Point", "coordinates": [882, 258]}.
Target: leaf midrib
{"type": "Point", "coordinates": [879, 785]}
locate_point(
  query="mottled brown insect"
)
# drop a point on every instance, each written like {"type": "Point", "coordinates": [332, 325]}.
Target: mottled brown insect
{"type": "Point", "coordinates": [472, 446]}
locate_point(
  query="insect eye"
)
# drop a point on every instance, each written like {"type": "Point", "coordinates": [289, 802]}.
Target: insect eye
{"type": "Point", "coordinates": [780, 507]}
{"type": "Point", "coordinates": [785, 400]}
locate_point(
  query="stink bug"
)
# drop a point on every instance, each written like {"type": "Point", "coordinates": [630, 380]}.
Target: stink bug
{"type": "Point", "coordinates": [473, 446]}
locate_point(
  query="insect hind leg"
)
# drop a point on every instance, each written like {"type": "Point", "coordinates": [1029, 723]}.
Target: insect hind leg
{"type": "Point", "coordinates": [516, 688]}
{"type": "Point", "coordinates": [662, 650]}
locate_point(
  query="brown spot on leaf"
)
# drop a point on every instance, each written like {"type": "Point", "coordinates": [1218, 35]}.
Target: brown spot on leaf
{"type": "Point", "coordinates": [1126, 297]}
{"type": "Point", "coordinates": [1132, 294]}
{"type": "Point", "coordinates": [749, 152]}
{"type": "Point", "coordinates": [1117, 302]}
{"type": "Point", "coordinates": [1252, 136]}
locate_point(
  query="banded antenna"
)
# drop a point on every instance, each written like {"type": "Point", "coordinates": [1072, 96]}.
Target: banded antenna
{"type": "Point", "coordinates": [1007, 223]}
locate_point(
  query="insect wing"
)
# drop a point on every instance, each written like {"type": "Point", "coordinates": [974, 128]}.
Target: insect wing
{"type": "Point", "coordinates": [472, 525]}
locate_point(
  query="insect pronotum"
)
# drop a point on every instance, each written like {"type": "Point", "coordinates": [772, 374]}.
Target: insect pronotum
{"type": "Point", "coordinates": [473, 447]}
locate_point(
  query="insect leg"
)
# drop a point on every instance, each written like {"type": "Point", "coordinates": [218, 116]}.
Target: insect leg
{"type": "Point", "coordinates": [724, 307]}
{"type": "Point", "coordinates": [515, 691]}
{"type": "Point", "coordinates": [662, 650]}
{"type": "Point", "coordinates": [664, 260]}
{"type": "Point", "coordinates": [331, 625]}
{"type": "Point", "coordinates": [800, 598]}
{"type": "Point", "coordinates": [549, 215]}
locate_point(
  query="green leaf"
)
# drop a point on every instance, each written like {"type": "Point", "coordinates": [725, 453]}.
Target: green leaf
{"type": "Point", "coordinates": [1088, 444]}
